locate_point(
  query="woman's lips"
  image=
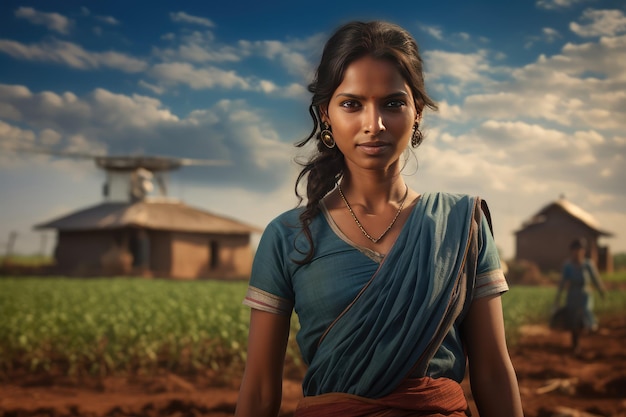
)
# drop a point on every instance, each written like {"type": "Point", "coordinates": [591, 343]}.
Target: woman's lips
{"type": "Point", "coordinates": [373, 148]}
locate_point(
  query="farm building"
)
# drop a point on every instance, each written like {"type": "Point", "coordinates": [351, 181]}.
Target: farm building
{"type": "Point", "coordinates": [134, 232]}
{"type": "Point", "coordinates": [160, 238]}
{"type": "Point", "coordinates": [545, 238]}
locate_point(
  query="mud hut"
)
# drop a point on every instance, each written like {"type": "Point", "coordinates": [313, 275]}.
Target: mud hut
{"type": "Point", "coordinates": [544, 239]}
{"type": "Point", "coordinates": [161, 238]}
{"type": "Point", "coordinates": [139, 230]}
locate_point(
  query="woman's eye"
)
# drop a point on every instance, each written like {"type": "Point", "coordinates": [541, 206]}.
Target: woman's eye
{"type": "Point", "coordinates": [350, 104]}
{"type": "Point", "coordinates": [396, 103]}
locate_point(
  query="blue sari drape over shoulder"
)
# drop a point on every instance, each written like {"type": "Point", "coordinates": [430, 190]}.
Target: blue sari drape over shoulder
{"type": "Point", "coordinates": [396, 323]}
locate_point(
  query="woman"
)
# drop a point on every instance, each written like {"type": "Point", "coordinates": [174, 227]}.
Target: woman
{"type": "Point", "coordinates": [391, 287]}
{"type": "Point", "coordinates": [578, 275]}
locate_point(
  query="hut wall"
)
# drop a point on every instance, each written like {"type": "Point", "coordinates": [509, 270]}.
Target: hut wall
{"type": "Point", "coordinates": [87, 253]}
{"type": "Point", "coordinates": [189, 255]}
{"type": "Point", "coordinates": [171, 254]}
{"type": "Point", "coordinates": [160, 253]}
{"type": "Point", "coordinates": [210, 256]}
{"type": "Point", "coordinates": [234, 257]}
{"type": "Point", "coordinates": [547, 243]}
{"type": "Point", "coordinates": [605, 259]}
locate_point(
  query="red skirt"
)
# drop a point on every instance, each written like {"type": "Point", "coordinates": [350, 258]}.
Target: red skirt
{"type": "Point", "coordinates": [421, 397]}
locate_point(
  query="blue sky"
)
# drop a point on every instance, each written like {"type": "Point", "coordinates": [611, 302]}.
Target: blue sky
{"type": "Point", "coordinates": [532, 99]}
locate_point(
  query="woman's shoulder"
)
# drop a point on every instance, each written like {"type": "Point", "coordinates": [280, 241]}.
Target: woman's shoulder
{"type": "Point", "coordinates": [446, 205]}
{"type": "Point", "coordinates": [568, 267]}
{"type": "Point", "coordinates": [288, 217]}
{"type": "Point", "coordinates": [293, 213]}
{"type": "Point", "coordinates": [448, 198]}
{"type": "Point", "coordinates": [448, 195]}
{"type": "Point", "coordinates": [286, 222]}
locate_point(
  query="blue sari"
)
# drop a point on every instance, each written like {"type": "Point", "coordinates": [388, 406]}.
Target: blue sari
{"type": "Point", "coordinates": [578, 310]}
{"type": "Point", "coordinates": [398, 320]}
{"type": "Point", "coordinates": [393, 315]}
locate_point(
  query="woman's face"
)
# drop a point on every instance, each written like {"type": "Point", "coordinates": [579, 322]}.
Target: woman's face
{"type": "Point", "coordinates": [578, 254]}
{"type": "Point", "coordinates": [371, 113]}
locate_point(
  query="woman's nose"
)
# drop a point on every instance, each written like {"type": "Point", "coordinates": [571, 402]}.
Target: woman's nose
{"type": "Point", "coordinates": [373, 123]}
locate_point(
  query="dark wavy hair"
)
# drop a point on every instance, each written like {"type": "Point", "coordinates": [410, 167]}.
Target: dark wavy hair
{"type": "Point", "coordinates": [352, 41]}
{"type": "Point", "coordinates": [578, 243]}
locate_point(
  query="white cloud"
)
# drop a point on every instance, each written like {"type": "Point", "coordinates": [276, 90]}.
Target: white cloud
{"type": "Point", "coordinates": [267, 86]}
{"type": "Point", "coordinates": [558, 4]}
{"type": "Point", "coordinates": [197, 78]}
{"type": "Point", "coordinates": [122, 111]}
{"type": "Point", "coordinates": [68, 114]}
{"type": "Point", "coordinates": [581, 86]}
{"type": "Point", "coordinates": [600, 23]}
{"type": "Point", "coordinates": [268, 151]}
{"type": "Point", "coordinates": [154, 88]}
{"type": "Point", "coordinates": [511, 105]}
{"type": "Point", "coordinates": [434, 31]}
{"type": "Point", "coordinates": [447, 111]}
{"type": "Point", "coordinates": [210, 77]}
{"type": "Point", "coordinates": [548, 35]}
{"type": "Point", "coordinates": [13, 136]}
{"type": "Point", "coordinates": [296, 91]}
{"type": "Point", "coordinates": [49, 137]}
{"type": "Point", "coordinates": [182, 17]}
{"type": "Point", "coordinates": [461, 67]}
{"type": "Point", "coordinates": [52, 21]}
{"type": "Point", "coordinates": [297, 64]}
{"type": "Point", "coordinates": [197, 47]}
{"type": "Point", "coordinates": [295, 55]}
{"type": "Point", "coordinates": [527, 142]}
{"type": "Point", "coordinates": [71, 55]}
{"type": "Point", "coordinates": [105, 121]}
{"type": "Point", "coordinates": [451, 38]}
{"type": "Point", "coordinates": [453, 71]}
{"type": "Point", "coordinates": [196, 59]}
{"type": "Point", "coordinates": [538, 155]}
{"type": "Point", "coordinates": [109, 20]}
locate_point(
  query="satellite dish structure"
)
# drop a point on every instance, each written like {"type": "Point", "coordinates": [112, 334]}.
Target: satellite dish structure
{"type": "Point", "coordinates": [129, 178]}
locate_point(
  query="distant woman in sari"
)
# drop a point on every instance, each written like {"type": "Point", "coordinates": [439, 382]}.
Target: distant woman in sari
{"type": "Point", "coordinates": [394, 289]}
{"type": "Point", "coordinates": [578, 278]}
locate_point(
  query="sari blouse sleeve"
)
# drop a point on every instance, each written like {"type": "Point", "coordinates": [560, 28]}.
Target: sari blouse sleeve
{"type": "Point", "coordinates": [490, 278]}
{"type": "Point", "coordinates": [270, 286]}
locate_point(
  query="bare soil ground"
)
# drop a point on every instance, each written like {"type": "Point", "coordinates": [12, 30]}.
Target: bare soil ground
{"type": "Point", "coordinates": [553, 382]}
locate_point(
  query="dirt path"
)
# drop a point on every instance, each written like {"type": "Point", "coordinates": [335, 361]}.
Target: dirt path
{"type": "Point", "coordinates": [553, 379]}
{"type": "Point", "coordinates": [553, 382]}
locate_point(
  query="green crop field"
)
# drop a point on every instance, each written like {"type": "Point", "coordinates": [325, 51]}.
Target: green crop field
{"type": "Point", "coordinates": [532, 305]}
{"type": "Point", "coordinates": [124, 325]}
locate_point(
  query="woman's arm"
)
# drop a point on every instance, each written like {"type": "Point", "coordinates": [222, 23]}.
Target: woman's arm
{"type": "Point", "coordinates": [595, 277]}
{"type": "Point", "coordinates": [261, 388]}
{"type": "Point", "coordinates": [492, 377]}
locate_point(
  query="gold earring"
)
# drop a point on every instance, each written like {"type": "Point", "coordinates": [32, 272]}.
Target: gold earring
{"type": "Point", "coordinates": [416, 137]}
{"type": "Point", "coordinates": [326, 136]}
